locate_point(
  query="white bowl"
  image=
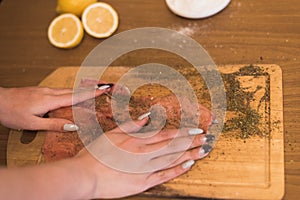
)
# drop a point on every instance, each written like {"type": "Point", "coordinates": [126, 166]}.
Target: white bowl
{"type": "Point", "coordinates": [196, 9]}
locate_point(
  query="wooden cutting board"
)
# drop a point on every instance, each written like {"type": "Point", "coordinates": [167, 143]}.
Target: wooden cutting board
{"type": "Point", "coordinates": [240, 166]}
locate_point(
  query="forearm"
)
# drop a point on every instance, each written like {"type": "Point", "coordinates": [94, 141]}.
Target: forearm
{"type": "Point", "coordinates": [60, 180]}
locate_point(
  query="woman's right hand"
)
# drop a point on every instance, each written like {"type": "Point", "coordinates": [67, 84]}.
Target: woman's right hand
{"type": "Point", "coordinates": [174, 154]}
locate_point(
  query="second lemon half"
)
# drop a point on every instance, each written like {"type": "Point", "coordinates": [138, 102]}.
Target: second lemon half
{"type": "Point", "coordinates": [100, 20]}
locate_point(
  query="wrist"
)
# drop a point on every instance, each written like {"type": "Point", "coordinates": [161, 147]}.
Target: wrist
{"type": "Point", "coordinates": [88, 182]}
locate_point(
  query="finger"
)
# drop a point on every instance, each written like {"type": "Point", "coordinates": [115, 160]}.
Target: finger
{"type": "Point", "coordinates": [120, 90]}
{"type": "Point", "coordinates": [206, 117]}
{"type": "Point", "coordinates": [53, 124]}
{"type": "Point", "coordinates": [168, 134]}
{"type": "Point", "coordinates": [88, 83]}
{"type": "Point", "coordinates": [178, 145]}
{"type": "Point", "coordinates": [50, 91]}
{"type": "Point", "coordinates": [200, 140]}
{"type": "Point", "coordinates": [74, 98]}
{"type": "Point", "coordinates": [131, 126]}
{"type": "Point", "coordinates": [180, 142]}
{"type": "Point", "coordinates": [168, 174]}
{"type": "Point", "coordinates": [55, 91]}
{"type": "Point", "coordinates": [193, 154]}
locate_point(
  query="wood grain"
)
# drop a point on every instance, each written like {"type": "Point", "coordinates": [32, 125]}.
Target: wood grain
{"type": "Point", "coordinates": [245, 32]}
{"type": "Point", "coordinates": [253, 166]}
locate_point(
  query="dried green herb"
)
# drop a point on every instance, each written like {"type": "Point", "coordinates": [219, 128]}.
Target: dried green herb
{"type": "Point", "coordinates": [238, 100]}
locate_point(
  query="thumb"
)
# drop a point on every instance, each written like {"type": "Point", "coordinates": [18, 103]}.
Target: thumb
{"type": "Point", "coordinates": [53, 124]}
{"type": "Point", "coordinates": [131, 126]}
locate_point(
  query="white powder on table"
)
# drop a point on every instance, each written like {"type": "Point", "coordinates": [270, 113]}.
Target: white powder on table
{"type": "Point", "coordinates": [193, 28]}
{"type": "Point", "coordinates": [186, 30]}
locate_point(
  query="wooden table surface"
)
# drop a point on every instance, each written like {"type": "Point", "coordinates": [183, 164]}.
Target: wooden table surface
{"type": "Point", "coordinates": [247, 31]}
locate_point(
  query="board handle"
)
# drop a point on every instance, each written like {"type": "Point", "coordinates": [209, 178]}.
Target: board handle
{"type": "Point", "coordinates": [24, 153]}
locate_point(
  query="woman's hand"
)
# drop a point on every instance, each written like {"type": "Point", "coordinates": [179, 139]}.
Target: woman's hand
{"type": "Point", "coordinates": [86, 177]}
{"type": "Point", "coordinates": [120, 181]}
{"type": "Point", "coordinates": [23, 108]}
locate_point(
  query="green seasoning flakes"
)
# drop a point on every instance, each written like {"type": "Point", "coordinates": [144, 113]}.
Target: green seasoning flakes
{"type": "Point", "coordinates": [245, 123]}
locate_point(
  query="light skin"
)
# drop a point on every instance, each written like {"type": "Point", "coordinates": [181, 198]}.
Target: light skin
{"type": "Point", "coordinates": [83, 176]}
{"type": "Point", "coordinates": [23, 108]}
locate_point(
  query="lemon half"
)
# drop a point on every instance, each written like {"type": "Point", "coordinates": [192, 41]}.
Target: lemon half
{"type": "Point", "coordinates": [65, 31]}
{"type": "Point", "coordinates": [100, 20]}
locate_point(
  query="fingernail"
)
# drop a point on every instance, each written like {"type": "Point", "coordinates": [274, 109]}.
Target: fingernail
{"type": "Point", "coordinates": [215, 121]}
{"type": "Point", "coordinates": [195, 131]}
{"type": "Point", "coordinates": [188, 164]}
{"type": "Point", "coordinates": [209, 138]}
{"type": "Point", "coordinates": [127, 90]}
{"type": "Point", "coordinates": [104, 86]}
{"type": "Point", "coordinates": [71, 127]}
{"type": "Point", "coordinates": [204, 150]}
{"type": "Point", "coordinates": [144, 116]}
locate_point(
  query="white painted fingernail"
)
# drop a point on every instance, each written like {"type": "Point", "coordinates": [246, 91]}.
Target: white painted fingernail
{"type": "Point", "coordinates": [127, 90]}
{"type": "Point", "coordinates": [144, 116]}
{"type": "Point", "coordinates": [195, 131]}
{"type": "Point", "coordinates": [188, 164]}
{"type": "Point", "coordinates": [215, 121]}
{"type": "Point", "coordinates": [71, 127]}
{"type": "Point", "coordinates": [103, 87]}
